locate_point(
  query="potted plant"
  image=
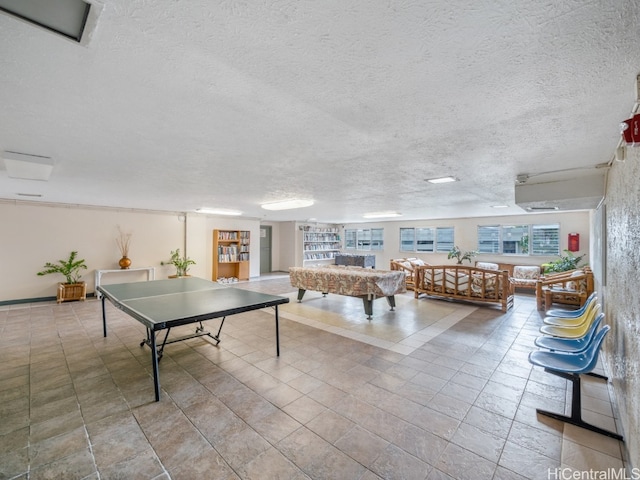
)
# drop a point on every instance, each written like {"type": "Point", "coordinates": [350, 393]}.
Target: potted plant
{"type": "Point", "coordinates": [460, 256]}
{"type": "Point", "coordinates": [73, 288]}
{"type": "Point", "coordinates": [182, 264]}
{"type": "Point", "coordinates": [565, 263]}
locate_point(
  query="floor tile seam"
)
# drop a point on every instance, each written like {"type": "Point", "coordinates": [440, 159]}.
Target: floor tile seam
{"type": "Point", "coordinates": [165, 471]}
{"type": "Point", "coordinates": [495, 462]}
{"type": "Point", "coordinates": [87, 446]}
{"type": "Point", "coordinates": [382, 452]}
{"type": "Point", "coordinates": [204, 437]}
{"type": "Point", "coordinates": [398, 418]}
{"type": "Point", "coordinates": [77, 401]}
{"type": "Point", "coordinates": [511, 426]}
{"type": "Point", "coordinates": [387, 443]}
{"type": "Point", "coordinates": [582, 447]}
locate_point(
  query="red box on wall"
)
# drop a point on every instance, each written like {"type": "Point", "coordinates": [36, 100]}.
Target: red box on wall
{"type": "Point", "coordinates": [574, 242]}
{"type": "Point", "coordinates": [630, 130]}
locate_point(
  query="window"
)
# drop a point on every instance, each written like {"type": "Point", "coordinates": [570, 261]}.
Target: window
{"type": "Point", "coordinates": [444, 239]}
{"type": "Point", "coordinates": [407, 239]}
{"type": "Point", "coordinates": [349, 239]}
{"type": "Point", "coordinates": [489, 239]}
{"type": "Point", "coordinates": [427, 239]}
{"type": "Point", "coordinates": [377, 238]}
{"type": "Point", "coordinates": [364, 239]}
{"type": "Point", "coordinates": [545, 240]}
{"type": "Point", "coordinates": [515, 239]}
{"type": "Point", "coordinates": [519, 239]}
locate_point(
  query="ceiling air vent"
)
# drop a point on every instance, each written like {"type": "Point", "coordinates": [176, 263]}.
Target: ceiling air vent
{"type": "Point", "coordinates": [581, 193]}
{"type": "Point", "coordinates": [542, 209]}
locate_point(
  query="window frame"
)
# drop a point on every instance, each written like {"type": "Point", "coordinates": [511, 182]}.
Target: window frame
{"type": "Point", "coordinates": [436, 236]}
{"type": "Point", "coordinates": [364, 239]}
{"type": "Point", "coordinates": [495, 235]}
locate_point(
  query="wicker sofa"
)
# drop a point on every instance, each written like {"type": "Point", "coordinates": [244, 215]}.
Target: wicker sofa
{"type": "Point", "coordinates": [467, 283]}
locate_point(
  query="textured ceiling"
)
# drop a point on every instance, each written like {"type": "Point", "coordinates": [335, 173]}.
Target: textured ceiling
{"type": "Point", "coordinates": [173, 106]}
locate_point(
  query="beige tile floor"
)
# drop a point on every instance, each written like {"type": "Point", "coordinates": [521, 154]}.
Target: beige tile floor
{"type": "Point", "coordinates": [454, 398]}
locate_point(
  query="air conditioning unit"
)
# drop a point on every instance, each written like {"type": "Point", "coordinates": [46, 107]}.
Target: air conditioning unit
{"type": "Point", "coordinates": [581, 193]}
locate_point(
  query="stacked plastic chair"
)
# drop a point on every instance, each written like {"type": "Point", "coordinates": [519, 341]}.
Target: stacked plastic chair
{"type": "Point", "coordinates": [570, 347]}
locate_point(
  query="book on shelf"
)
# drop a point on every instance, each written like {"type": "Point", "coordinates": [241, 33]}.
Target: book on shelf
{"type": "Point", "coordinates": [226, 235]}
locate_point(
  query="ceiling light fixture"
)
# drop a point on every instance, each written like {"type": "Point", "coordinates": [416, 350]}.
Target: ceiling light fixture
{"type": "Point", "coordinates": [499, 206]}
{"type": "Point", "coordinates": [27, 167]}
{"type": "Point", "coordinates": [382, 215]}
{"type": "Point", "coordinates": [218, 211]}
{"type": "Point", "coordinates": [441, 180]}
{"type": "Point", "coordinates": [65, 17]}
{"type": "Point", "coordinates": [287, 204]}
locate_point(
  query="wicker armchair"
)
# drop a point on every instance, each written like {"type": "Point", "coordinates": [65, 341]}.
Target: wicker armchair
{"type": "Point", "coordinates": [568, 288]}
{"type": "Point", "coordinates": [407, 265]}
{"type": "Point", "coordinates": [525, 276]}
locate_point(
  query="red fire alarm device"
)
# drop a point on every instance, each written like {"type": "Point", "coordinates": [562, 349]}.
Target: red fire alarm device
{"type": "Point", "coordinates": [630, 130]}
{"type": "Point", "coordinates": [574, 242]}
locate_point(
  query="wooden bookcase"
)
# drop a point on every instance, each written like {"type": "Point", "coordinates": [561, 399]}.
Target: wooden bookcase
{"type": "Point", "coordinates": [231, 254]}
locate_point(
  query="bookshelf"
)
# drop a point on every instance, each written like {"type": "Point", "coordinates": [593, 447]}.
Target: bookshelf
{"type": "Point", "coordinates": [231, 255]}
{"type": "Point", "coordinates": [320, 245]}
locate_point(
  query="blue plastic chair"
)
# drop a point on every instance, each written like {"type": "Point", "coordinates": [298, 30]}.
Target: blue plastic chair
{"type": "Point", "coordinates": [570, 366]}
{"type": "Point", "coordinates": [571, 331]}
{"type": "Point", "coordinates": [592, 309]}
{"type": "Point", "coordinates": [561, 312]}
{"type": "Point", "coordinates": [570, 345]}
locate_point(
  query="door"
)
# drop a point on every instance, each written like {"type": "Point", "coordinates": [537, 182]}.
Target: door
{"type": "Point", "coordinates": [265, 249]}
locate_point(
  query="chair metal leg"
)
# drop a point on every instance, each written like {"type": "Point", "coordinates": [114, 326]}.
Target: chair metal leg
{"type": "Point", "coordinates": [576, 407]}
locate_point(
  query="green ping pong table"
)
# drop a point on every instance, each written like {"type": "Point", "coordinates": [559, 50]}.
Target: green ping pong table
{"type": "Point", "coordinates": [164, 304]}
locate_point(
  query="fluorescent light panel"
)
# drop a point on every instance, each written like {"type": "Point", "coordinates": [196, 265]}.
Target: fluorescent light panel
{"type": "Point", "coordinates": [219, 211]}
{"type": "Point", "coordinates": [441, 180]}
{"type": "Point", "coordinates": [287, 204]}
{"type": "Point", "coordinates": [64, 17]}
{"type": "Point", "coordinates": [27, 167]}
{"type": "Point", "coordinates": [382, 215]}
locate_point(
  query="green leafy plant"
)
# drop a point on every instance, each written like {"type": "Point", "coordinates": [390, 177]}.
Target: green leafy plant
{"type": "Point", "coordinates": [69, 268]}
{"type": "Point", "coordinates": [182, 263]}
{"type": "Point", "coordinates": [567, 262]}
{"type": "Point", "coordinates": [524, 243]}
{"type": "Point", "coordinates": [461, 256]}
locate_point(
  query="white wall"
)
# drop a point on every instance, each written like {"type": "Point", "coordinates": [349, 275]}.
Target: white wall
{"type": "Point", "coordinates": [466, 236]}
{"type": "Point", "coordinates": [33, 234]}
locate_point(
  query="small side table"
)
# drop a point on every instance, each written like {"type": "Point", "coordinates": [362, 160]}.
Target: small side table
{"type": "Point", "coordinates": [151, 274]}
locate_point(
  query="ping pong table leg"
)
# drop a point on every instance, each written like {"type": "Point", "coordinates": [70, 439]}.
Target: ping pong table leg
{"type": "Point", "coordinates": [277, 334]}
{"type": "Point", "coordinates": [104, 319]}
{"type": "Point", "coordinates": [154, 363]}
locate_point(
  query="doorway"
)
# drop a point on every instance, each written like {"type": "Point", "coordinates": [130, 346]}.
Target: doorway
{"type": "Point", "coordinates": [265, 249]}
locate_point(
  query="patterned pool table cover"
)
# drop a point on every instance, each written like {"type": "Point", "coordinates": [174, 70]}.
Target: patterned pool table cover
{"type": "Point", "coordinates": [350, 281]}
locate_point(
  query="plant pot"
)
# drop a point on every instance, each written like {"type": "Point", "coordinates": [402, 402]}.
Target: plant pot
{"type": "Point", "coordinates": [179, 276]}
{"type": "Point", "coordinates": [71, 291]}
